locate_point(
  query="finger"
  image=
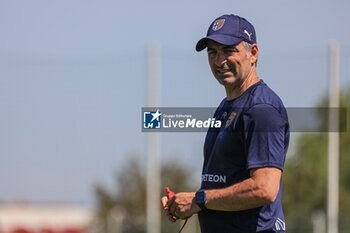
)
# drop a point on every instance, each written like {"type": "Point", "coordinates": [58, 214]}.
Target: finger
{"type": "Point", "coordinates": [168, 213]}
{"type": "Point", "coordinates": [164, 201]}
{"type": "Point", "coordinates": [173, 219]}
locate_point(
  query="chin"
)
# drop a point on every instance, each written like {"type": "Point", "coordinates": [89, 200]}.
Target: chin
{"type": "Point", "coordinates": [227, 81]}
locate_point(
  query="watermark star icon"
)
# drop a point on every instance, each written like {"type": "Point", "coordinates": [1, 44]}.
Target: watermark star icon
{"type": "Point", "coordinates": [156, 115]}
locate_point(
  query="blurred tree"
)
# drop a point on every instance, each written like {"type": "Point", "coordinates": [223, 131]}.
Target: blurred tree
{"type": "Point", "coordinates": [130, 197]}
{"type": "Point", "coordinates": [105, 203]}
{"type": "Point", "coordinates": [305, 176]}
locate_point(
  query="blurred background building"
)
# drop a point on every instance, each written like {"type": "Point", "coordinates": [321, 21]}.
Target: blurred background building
{"type": "Point", "coordinates": [44, 218]}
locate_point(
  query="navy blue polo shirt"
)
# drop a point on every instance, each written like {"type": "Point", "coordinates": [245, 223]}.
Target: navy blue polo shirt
{"type": "Point", "coordinates": [254, 133]}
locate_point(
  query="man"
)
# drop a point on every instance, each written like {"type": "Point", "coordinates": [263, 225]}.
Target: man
{"type": "Point", "coordinates": [243, 160]}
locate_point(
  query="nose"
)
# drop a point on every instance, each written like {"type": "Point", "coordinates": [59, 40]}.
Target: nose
{"type": "Point", "coordinates": [220, 59]}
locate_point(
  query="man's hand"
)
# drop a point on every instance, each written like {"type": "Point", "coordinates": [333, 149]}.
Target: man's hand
{"type": "Point", "coordinates": [182, 205]}
{"type": "Point", "coordinates": [164, 202]}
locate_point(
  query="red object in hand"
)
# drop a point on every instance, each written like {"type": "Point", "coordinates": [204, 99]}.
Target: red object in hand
{"type": "Point", "coordinates": [170, 194]}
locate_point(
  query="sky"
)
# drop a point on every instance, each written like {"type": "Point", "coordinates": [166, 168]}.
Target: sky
{"type": "Point", "coordinates": [73, 75]}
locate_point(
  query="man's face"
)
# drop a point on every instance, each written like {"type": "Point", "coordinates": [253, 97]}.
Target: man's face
{"type": "Point", "coordinates": [229, 63]}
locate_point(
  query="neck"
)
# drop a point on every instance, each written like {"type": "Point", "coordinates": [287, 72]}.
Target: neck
{"type": "Point", "coordinates": [233, 91]}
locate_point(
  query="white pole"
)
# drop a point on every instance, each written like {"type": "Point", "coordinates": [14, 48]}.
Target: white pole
{"type": "Point", "coordinates": [333, 141]}
{"type": "Point", "coordinates": [153, 141]}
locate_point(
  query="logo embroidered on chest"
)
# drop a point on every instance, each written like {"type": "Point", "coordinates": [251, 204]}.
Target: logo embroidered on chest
{"type": "Point", "coordinates": [218, 24]}
{"type": "Point", "coordinates": [224, 116]}
{"type": "Point", "coordinates": [230, 119]}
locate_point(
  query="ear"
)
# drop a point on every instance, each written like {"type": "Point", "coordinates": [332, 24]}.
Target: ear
{"type": "Point", "coordinates": [254, 52]}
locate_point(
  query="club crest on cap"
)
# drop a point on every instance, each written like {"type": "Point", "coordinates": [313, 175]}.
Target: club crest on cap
{"type": "Point", "coordinates": [218, 24]}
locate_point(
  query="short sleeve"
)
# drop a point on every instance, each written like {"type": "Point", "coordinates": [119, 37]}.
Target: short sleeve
{"type": "Point", "coordinates": [265, 136]}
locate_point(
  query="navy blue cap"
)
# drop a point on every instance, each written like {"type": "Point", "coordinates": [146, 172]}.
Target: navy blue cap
{"type": "Point", "coordinates": [228, 30]}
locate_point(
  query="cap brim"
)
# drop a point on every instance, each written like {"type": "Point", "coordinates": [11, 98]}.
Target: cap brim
{"type": "Point", "coordinates": [222, 39]}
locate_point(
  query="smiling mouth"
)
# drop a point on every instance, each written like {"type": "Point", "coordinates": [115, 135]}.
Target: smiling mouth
{"type": "Point", "coordinates": [222, 72]}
